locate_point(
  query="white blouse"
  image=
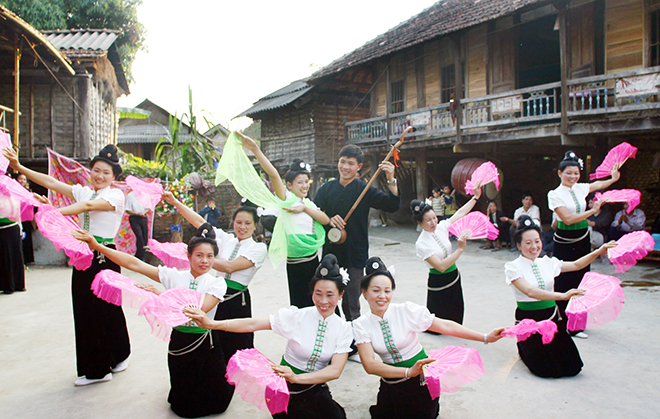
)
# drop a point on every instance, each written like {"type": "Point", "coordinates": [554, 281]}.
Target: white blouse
{"type": "Point", "coordinates": [313, 340]}
{"type": "Point", "coordinates": [206, 284]}
{"type": "Point", "coordinates": [249, 249]}
{"type": "Point", "coordinates": [102, 223]}
{"type": "Point", "coordinates": [303, 222]}
{"type": "Point", "coordinates": [436, 243]}
{"type": "Point", "coordinates": [132, 203]}
{"type": "Point", "coordinates": [402, 322]}
{"type": "Point", "coordinates": [533, 212]}
{"type": "Point", "coordinates": [539, 273]}
{"type": "Point", "coordinates": [562, 197]}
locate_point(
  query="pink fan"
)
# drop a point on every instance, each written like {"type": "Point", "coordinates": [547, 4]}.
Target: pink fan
{"type": "Point", "coordinates": [630, 248]}
{"type": "Point", "coordinates": [147, 194]}
{"type": "Point", "coordinates": [57, 228]}
{"type": "Point", "coordinates": [173, 255]}
{"type": "Point", "coordinates": [10, 187]}
{"type": "Point", "coordinates": [168, 306]}
{"type": "Point", "coordinates": [250, 371]}
{"type": "Point", "coordinates": [617, 155]}
{"type": "Point", "coordinates": [454, 367]}
{"type": "Point", "coordinates": [477, 225]}
{"type": "Point", "coordinates": [485, 173]}
{"type": "Point", "coordinates": [9, 207]}
{"type": "Point", "coordinates": [158, 327]}
{"type": "Point", "coordinates": [601, 303]}
{"type": "Point", "coordinates": [117, 289]}
{"type": "Point", "coordinates": [5, 142]}
{"type": "Point", "coordinates": [526, 327]}
{"type": "Point", "coordinates": [630, 196]}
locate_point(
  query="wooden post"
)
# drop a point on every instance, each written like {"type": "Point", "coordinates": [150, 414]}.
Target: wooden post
{"type": "Point", "coordinates": [17, 85]}
{"type": "Point", "coordinates": [31, 126]}
{"type": "Point", "coordinates": [563, 54]}
{"type": "Point", "coordinates": [421, 179]}
{"type": "Point", "coordinates": [388, 102]}
{"type": "Point", "coordinates": [458, 90]}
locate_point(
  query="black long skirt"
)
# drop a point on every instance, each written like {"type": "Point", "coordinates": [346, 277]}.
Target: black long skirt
{"type": "Point", "coordinates": [237, 305]}
{"type": "Point", "coordinates": [559, 358]}
{"type": "Point", "coordinates": [101, 336]}
{"type": "Point", "coordinates": [12, 277]}
{"type": "Point", "coordinates": [311, 402]}
{"type": "Point", "coordinates": [569, 253]}
{"type": "Point", "coordinates": [299, 276]}
{"type": "Point", "coordinates": [407, 399]}
{"type": "Point", "coordinates": [198, 386]}
{"type": "Point", "coordinates": [448, 302]}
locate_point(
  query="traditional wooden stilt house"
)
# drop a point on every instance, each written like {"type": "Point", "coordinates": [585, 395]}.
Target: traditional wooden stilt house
{"type": "Point", "coordinates": [515, 82]}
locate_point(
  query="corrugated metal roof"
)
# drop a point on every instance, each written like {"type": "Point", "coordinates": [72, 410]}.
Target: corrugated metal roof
{"type": "Point", "coordinates": [83, 40]}
{"type": "Point", "coordinates": [279, 98]}
{"type": "Point", "coordinates": [444, 17]}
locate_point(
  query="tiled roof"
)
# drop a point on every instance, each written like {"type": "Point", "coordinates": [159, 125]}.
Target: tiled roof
{"type": "Point", "coordinates": [279, 98]}
{"type": "Point", "coordinates": [82, 41]}
{"type": "Point", "coordinates": [444, 17]}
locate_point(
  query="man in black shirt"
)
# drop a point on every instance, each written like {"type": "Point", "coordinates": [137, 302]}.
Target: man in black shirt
{"type": "Point", "coordinates": [336, 198]}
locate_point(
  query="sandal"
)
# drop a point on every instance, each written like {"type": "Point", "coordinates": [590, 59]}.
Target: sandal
{"type": "Point", "coordinates": [496, 249]}
{"type": "Point", "coordinates": [486, 246]}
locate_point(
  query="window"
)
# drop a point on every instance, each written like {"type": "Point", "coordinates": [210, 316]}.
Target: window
{"type": "Point", "coordinates": [397, 93]}
{"type": "Point", "coordinates": [447, 83]}
{"type": "Point", "coordinates": [654, 44]}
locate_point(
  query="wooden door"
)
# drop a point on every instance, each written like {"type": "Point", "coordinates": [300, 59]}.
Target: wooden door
{"type": "Point", "coordinates": [581, 41]}
{"type": "Point", "coordinates": [502, 60]}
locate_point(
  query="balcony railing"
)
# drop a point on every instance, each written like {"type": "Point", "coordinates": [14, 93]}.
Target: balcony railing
{"type": "Point", "coordinates": [610, 93]}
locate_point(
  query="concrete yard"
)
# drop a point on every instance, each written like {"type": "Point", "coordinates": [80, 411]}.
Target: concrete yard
{"type": "Point", "coordinates": [37, 355]}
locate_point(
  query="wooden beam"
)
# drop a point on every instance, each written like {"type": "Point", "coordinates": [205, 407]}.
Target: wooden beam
{"type": "Point", "coordinates": [458, 90]}
{"type": "Point", "coordinates": [388, 102]}
{"type": "Point", "coordinates": [563, 55]}
{"type": "Point", "coordinates": [17, 86]}
{"type": "Point", "coordinates": [31, 129]}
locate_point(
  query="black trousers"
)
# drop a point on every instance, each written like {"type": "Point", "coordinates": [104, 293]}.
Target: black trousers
{"type": "Point", "coordinates": [311, 402]}
{"type": "Point", "coordinates": [140, 227]}
{"type": "Point", "coordinates": [569, 253]}
{"type": "Point", "coordinates": [299, 275]}
{"type": "Point", "coordinates": [101, 335]}
{"type": "Point", "coordinates": [408, 399]}
{"type": "Point", "coordinates": [12, 277]}
{"type": "Point", "coordinates": [447, 303]}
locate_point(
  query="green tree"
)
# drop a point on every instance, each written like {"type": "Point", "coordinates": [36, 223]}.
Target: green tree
{"type": "Point", "coordinates": [120, 15]}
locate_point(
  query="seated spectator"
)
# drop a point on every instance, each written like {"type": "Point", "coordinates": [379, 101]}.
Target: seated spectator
{"type": "Point", "coordinates": [528, 208]}
{"type": "Point", "coordinates": [210, 212]}
{"type": "Point", "coordinates": [625, 223]}
{"type": "Point", "coordinates": [494, 215]}
{"type": "Point", "coordinates": [599, 223]}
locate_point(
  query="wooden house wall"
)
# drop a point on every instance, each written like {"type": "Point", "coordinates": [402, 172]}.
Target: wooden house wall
{"type": "Point", "coordinates": [477, 61]}
{"type": "Point", "coordinates": [624, 35]}
{"type": "Point", "coordinates": [288, 133]}
{"type": "Point", "coordinates": [432, 57]}
{"type": "Point", "coordinates": [410, 80]}
{"type": "Point", "coordinates": [329, 129]}
{"type": "Point", "coordinates": [381, 89]}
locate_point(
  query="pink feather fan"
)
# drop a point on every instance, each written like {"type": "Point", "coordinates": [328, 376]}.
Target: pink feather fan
{"type": "Point", "coordinates": [256, 382]}
{"type": "Point", "coordinates": [484, 174]}
{"type": "Point", "coordinates": [173, 255]}
{"type": "Point", "coordinates": [5, 142]}
{"type": "Point", "coordinates": [118, 289]}
{"type": "Point", "coordinates": [630, 248]}
{"type": "Point", "coordinates": [11, 188]}
{"type": "Point", "coordinates": [168, 307]}
{"type": "Point", "coordinates": [601, 303]}
{"type": "Point", "coordinates": [630, 196]}
{"type": "Point", "coordinates": [617, 155]}
{"type": "Point", "coordinates": [527, 327]}
{"type": "Point", "coordinates": [454, 367]}
{"type": "Point", "coordinates": [477, 225]}
{"type": "Point", "coordinates": [58, 228]}
{"type": "Point", "coordinates": [148, 194]}
{"type": "Point", "coordinates": [9, 206]}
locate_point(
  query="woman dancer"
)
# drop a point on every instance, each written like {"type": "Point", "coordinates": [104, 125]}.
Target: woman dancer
{"type": "Point", "coordinates": [533, 279]}
{"type": "Point", "coordinates": [319, 343]}
{"type": "Point", "coordinates": [102, 344]}
{"type": "Point", "coordinates": [238, 260]}
{"type": "Point", "coordinates": [197, 367]}
{"type": "Point", "coordinates": [572, 236]}
{"type": "Point", "coordinates": [390, 330]}
{"type": "Point", "coordinates": [302, 223]}
{"type": "Point", "coordinates": [445, 295]}
{"type": "Point", "coordinates": [11, 257]}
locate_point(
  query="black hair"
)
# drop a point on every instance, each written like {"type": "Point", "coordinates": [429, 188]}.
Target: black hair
{"type": "Point", "coordinates": [525, 223]}
{"type": "Point", "coordinates": [210, 199]}
{"type": "Point", "coordinates": [109, 155]}
{"type": "Point", "coordinates": [250, 210]}
{"type": "Point", "coordinates": [418, 209]}
{"type": "Point", "coordinates": [447, 186]}
{"type": "Point", "coordinates": [375, 266]}
{"type": "Point", "coordinates": [328, 270]}
{"type": "Point", "coordinates": [298, 167]}
{"type": "Point", "coordinates": [436, 189]}
{"type": "Point", "coordinates": [491, 201]}
{"type": "Point", "coordinates": [351, 150]}
{"type": "Point", "coordinates": [527, 194]}
{"type": "Point", "coordinates": [570, 159]}
{"type": "Point", "coordinates": [204, 234]}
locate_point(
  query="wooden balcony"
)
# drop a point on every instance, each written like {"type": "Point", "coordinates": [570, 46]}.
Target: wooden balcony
{"type": "Point", "coordinates": [592, 101]}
